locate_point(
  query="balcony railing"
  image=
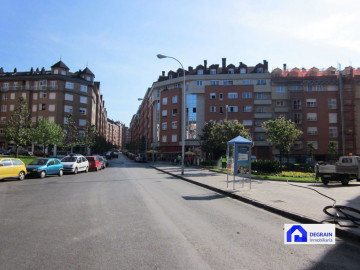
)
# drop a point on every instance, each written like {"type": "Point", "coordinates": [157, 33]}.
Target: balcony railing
{"type": "Point", "coordinates": [29, 88]}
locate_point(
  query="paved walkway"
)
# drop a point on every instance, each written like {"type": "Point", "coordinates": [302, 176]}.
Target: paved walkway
{"type": "Point", "coordinates": [302, 202]}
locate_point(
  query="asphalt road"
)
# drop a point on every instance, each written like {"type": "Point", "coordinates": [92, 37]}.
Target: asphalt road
{"type": "Point", "coordinates": [130, 216]}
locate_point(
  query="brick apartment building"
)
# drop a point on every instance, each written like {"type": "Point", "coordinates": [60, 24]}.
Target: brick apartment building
{"type": "Point", "coordinates": [53, 94]}
{"type": "Point", "coordinates": [324, 105]}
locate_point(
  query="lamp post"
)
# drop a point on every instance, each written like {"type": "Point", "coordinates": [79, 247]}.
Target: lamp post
{"type": "Point", "coordinates": [160, 56]}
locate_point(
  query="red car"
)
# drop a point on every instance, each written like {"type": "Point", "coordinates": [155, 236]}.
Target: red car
{"type": "Point", "coordinates": [94, 163]}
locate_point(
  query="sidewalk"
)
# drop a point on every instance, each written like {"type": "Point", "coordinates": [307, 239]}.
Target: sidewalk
{"type": "Point", "coordinates": [300, 204]}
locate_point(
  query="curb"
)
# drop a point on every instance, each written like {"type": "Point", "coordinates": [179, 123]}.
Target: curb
{"type": "Point", "coordinates": [281, 212]}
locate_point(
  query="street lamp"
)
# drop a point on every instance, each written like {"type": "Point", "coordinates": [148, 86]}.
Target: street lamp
{"type": "Point", "coordinates": [160, 56]}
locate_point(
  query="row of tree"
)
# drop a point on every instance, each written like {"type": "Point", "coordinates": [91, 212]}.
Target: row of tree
{"type": "Point", "coordinates": [281, 132]}
{"type": "Point", "coordinates": [20, 131]}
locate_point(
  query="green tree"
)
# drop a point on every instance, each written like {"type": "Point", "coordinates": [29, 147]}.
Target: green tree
{"type": "Point", "coordinates": [71, 137]}
{"type": "Point", "coordinates": [215, 137]}
{"type": "Point", "coordinates": [88, 138]}
{"type": "Point", "coordinates": [18, 125]}
{"type": "Point", "coordinates": [47, 133]}
{"type": "Point", "coordinates": [283, 133]}
{"type": "Point", "coordinates": [333, 150]}
{"type": "Point", "coordinates": [310, 151]}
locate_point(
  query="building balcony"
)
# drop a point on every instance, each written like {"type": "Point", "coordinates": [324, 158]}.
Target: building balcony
{"type": "Point", "coordinates": [263, 115]}
{"type": "Point", "coordinates": [262, 143]}
{"type": "Point", "coordinates": [281, 109]}
{"type": "Point", "coordinates": [259, 129]}
{"type": "Point", "coordinates": [27, 88]}
{"type": "Point", "coordinates": [262, 88]}
{"type": "Point", "coordinates": [262, 102]}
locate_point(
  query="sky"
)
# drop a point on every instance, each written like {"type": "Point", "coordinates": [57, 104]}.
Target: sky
{"type": "Point", "coordinates": [119, 39]}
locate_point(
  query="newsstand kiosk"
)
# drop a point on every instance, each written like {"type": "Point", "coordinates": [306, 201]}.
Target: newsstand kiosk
{"type": "Point", "coordinates": [239, 159]}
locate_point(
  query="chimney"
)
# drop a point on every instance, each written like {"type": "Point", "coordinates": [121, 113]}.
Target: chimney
{"type": "Point", "coordinates": [266, 64]}
{"type": "Point", "coordinates": [163, 73]}
{"type": "Point", "coordinates": [284, 67]}
{"type": "Point", "coordinates": [205, 65]}
{"type": "Point", "coordinates": [190, 68]}
{"type": "Point", "coordinates": [224, 65]}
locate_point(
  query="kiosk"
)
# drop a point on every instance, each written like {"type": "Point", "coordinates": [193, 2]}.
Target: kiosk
{"type": "Point", "coordinates": [239, 158]}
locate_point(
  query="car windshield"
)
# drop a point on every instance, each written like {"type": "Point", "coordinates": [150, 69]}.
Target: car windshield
{"type": "Point", "coordinates": [90, 158]}
{"type": "Point", "coordinates": [68, 159]}
{"type": "Point", "coordinates": [40, 161]}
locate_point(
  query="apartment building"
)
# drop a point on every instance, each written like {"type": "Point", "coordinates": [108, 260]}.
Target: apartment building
{"type": "Point", "coordinates": [323, 103]}
{"type": "Point", "coordinates": [53, 94]}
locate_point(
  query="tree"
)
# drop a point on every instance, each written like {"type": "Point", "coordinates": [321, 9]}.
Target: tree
{"type": "Point", "coordinates": [47, 133]}
{"type": "Point", "coordinates": [89, 136]}
{"type": "Point", "coordinates": [283, 133]}
{"type": "Point", "coordinates": [333, 150]}
{"type": "Point", "coordinates": [310, 151]}
{"type": "Point", "coordinates": [71, 137]}
{"type": "Point", "coordinates": [215, 137]}
{"type": "Point", "coordinates": [18, 125]}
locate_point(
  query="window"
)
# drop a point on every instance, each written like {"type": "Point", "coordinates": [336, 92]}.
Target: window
{"type": "Point", "coordinates": [232, 95]}
{"type": "Point", "coordinates": [52, 96]}
{"type": "Point", "coordinates": [214, 82]}
{"type": "Point", "coordinates": [297, 104]}
{"type": "Point", "coordinates": [333, 132]}
{"type": "Point", "coordinates": [35, 96]}
{"type": "Point", "coordinates": [311, 116]}
{"type": "Point", "coordinates": [247, 108]}
{"type": "Point", "coordinates": [83, 99]}
{"type": "Point", "coordinates": [243, 70]}
{"type": "Point", "coordinates": [260, 96]}
{"type": "Point", "coordinates": [212, 95]}
{"type": "Point", "coordinates": [33, 119]}
{"type": "Point", "coordinates": [11, 107]}
{"type": "Point", "coordinates": [227, 82]}
{"type": "Point", "coordinates": [51, 108]}
{"type": "Point", "coordinates": [298, 145]}
{"type": "Point", "coordinates": [83, 88]}
{"type": "Point", "coordinates": [297, 118]}
{"type": "Point", "coordinates": [259, 70]}
{"type": "Point", "coordinates": [34, 108]}
{"type": "Point", "coordinates": [220, 109]}
{"type": "Point", "coordinates": [63, 72]}
{"type": "Point", "coordinates": [12, 96]}
{"type": "Point", "coordinates": [279, 103]}
{"type": "Point", "coordinates": [221, 96]}
{"type": "Point", "coordinates": [212, 71]}
{"type": "Point", "coordinates": [164, 126]}
{"type": "Point", "coordinates": [66, 120]}
{"type": "Point", "coordinates": [310, 88]}
{"type": "Point", "coordinates": [311, 103]}
{"type": "Point", "coordinates": [164, 113]}
{"type": "Point", "coordinates": [6, 85]}
{"type": "Point", "coordinates": [260, 109]}
{"type": "Point", "coordinates": [69, 85]}
{"type": "Point", "coordinates": [88, 78]}
{"type": "Point", "coordinates": [42, 95]}
{"type": "Point", "coordinates": [314, 144]}
{"type": "Point", "coordinates": [164, 101]}
{"type": "Point", "coordinates": [82, 111]}
{"type": "Point", "coordinates": [82, 122]}
{"type": "Point", "coordinates": [200, 72]}
{"type": "Point", "coordinates": [247, 122]}
{"type": "Point", "coordinates": [312, 131]}
{"type": "Point", "coordinates": [246, 95]}
{"type": "Point", "coordinates": [23, 95]}
{"type": "Point", "coordinates": [231, 71]}
{"type": "Point", "coordinates": [247, 82]}
{"type": "Point", "coordinates": [174, 112]}
{"type": "Point", "coordinates": [319, 88]}
{"type": "Point", "coordinates": [174, 124]}
{"type": "Point", "coordinates": [280, 90]}
{"type": "Point", "coordinates": [332, 103]}
{"type": "Point", "coordinates": [177, 85]}
{"type": "Point", "coordinates": [4, 96]}
{"type": "Point", "coordinates": [332, 118]}
{"type": "Point", "coordinates": [212, 109]}
{"type": "Point", "coordinates": [174, 99]}
{"type": "Point", "coordinates": [199, 83]}
{"type": "Point", "coordinates": [42, 107]}
{"type": "Point", "coordinates": [174, 138]}
{"type": "Point", "coordinates": [261, 82]}
{"type": "Point", "coordinates": [164, 138]}
{"type": "Point", "coordinates": [68, 109]}
{"type": "Point", "coordinates": [295, 88]}
{"type": "Point", "coordinates": [233, 109]}
{"type": "Point", "coordinates": [3, 108]}
{"type": "Point", "coordinates": [69, 97]}
{"type": "Point", "coordinates": [51, 118]}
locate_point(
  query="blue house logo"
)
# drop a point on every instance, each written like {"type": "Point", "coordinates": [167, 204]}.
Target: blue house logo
{"type": "Point", "coordinates": [300, 235]}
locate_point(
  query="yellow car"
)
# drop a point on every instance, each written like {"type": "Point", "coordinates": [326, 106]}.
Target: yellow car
{"type": "Point", "coordinates": [12, 168]}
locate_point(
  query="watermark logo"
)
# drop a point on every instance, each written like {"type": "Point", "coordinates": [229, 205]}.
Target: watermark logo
{"type": "Point", "coordinates": [309, 234]}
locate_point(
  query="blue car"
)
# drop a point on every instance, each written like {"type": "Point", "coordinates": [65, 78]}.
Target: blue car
{"type": "Point", "coordinates": [41, 167]}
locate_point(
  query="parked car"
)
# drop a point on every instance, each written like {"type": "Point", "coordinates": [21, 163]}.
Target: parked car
{"type": "Point", "coordinates": [21, 152]}
{"type": "Point", "coordinates": [12, 168]}
{"type": "Point", "coordinates": [75, 163]}
{"type": "Point", "coordinates": [102, 161]}
{"type": "Point", "coordinates": [4, 152]}
{"type": "Point", "coordinates": [108, 155]}
{"type": "Point", "coordinates": [41, 167]}
{"type": "Point", "coordinates": [106, 161]}
{"type": "Point", "coordinates": [94, 163]}
{"type": "Point", "coordinates": [140, 158]}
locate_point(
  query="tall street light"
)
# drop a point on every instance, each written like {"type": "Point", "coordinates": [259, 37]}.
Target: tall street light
{"type": "Point", "coordinates": [160, 56]}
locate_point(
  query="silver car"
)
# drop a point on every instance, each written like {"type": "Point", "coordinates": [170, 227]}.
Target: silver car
{"type": "Point", "coordinates": [75, 163]}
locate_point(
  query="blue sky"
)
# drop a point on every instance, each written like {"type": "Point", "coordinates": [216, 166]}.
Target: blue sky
{"type": "Point", "coordinates": [119, 40]}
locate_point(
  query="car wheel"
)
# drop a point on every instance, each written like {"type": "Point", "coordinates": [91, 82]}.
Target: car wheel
{"type": "Point", "coordinates": [61, 172]}
{"type": "Point", "coordinates": [42, 174]}
{"type": "Point", "coordinates": [76, 170]}
{"type": "Point", "coordinates": [21, 176]}
{"type": "Point", "coordinates": [87, 169]}
{"type": "Point", "coordinates": [345, 181]}
{"type": "Point", "coordinates": [325, 180]}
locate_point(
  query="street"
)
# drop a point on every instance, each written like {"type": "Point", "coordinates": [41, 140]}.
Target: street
{"type": "Point", "coordinates": [130, 216]}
